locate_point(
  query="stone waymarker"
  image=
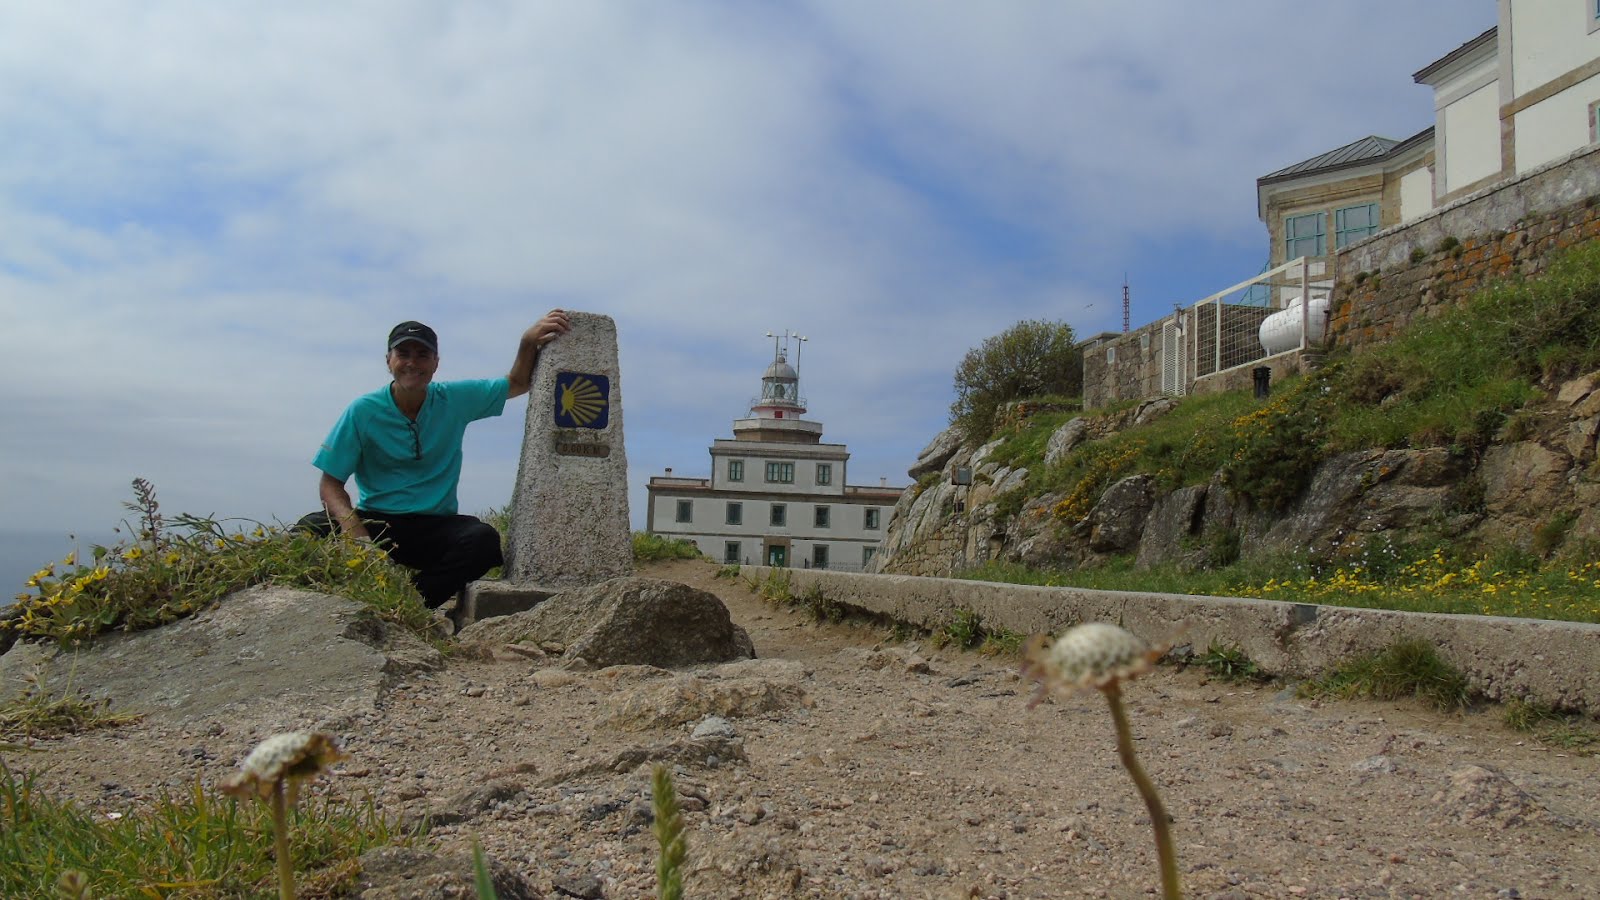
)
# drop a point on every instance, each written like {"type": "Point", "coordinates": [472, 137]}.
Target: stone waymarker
{"type": "Point", "coordinates": [569, 514]}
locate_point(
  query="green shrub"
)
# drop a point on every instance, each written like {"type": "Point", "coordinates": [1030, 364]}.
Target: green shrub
{"type": "Point", "coordinates": [1230, 663]}
{"type": "Point", "coordinates": [1032, 358]}
{"type": "Point", "coordinates": [648, 547]}
{"type": "Point", "coordinates": [1279, 445]}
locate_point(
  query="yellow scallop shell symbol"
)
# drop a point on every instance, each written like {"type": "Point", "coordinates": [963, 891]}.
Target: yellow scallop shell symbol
{"type": "Point", "coordinates": [582, 401]}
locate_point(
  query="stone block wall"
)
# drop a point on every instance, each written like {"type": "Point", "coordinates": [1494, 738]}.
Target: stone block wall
{"type": "Point", "coordinates": [1398, 275]}
{"type": "Point", "coordinates": [1127, 367]}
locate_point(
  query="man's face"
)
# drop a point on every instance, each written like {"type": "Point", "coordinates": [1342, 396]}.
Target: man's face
{"type": "Point", "coordinates": [412, 365]}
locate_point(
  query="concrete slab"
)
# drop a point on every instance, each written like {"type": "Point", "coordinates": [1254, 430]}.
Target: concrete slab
{"type": "Point", "coordinates": [488, 599]}
{"type": "Point", "coordinates": [1554, 663]}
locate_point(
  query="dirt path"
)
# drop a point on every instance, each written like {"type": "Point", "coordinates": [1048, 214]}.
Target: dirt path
{"type": "Point", "coordinates": [891, 771]}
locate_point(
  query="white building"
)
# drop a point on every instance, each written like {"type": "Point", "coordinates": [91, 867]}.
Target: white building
{"type": "Point", "coordinates": [1522, 94]}
{"type": "Point", "coordinates": [777, 494]}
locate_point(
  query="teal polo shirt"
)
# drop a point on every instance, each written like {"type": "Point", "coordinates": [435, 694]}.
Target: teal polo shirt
{"type": "Point", "coordinates": [402, 466]}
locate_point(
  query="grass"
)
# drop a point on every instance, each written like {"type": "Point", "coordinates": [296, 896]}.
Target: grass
{"type": "Point", "coordinates": [1230, 664]}
{"type": "Point", "coordinates": [1384, 576]}
{"type": "Point", "coordinates": [193, 845]}
{"type": "Point", "coordinates": [1551, 727]}
{"type": "Point", "coordinates": [166, 571]}
{"type": "Point", "coordinates": [1407, 668]}
{"type": "Point", "coordinates": [37, 713]}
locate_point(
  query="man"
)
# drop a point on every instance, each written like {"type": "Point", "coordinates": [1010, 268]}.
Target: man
{"type": "Point", "coordinates": [402, 443]}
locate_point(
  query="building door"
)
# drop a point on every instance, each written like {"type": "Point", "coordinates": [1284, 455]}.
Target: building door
{"type": "Point", "coordinates": [777, 555]}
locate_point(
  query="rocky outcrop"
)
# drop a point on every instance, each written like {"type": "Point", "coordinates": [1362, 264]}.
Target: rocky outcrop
{"type": "Point", "coordinates": [1532, 492]}
{"type": "Point", "coordinates": [279, 656]}
{"type": "Point", "coordinates": [624, 621]}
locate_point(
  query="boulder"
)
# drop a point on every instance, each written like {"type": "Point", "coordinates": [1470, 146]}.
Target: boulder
{"type": "Point", "coordinates": [936, 454]}
{"type": "Point", "coordinates": [1117, 520]}
{"type": "Point", "coordinates": [689, 698]}
{"type": "Point", "coordinates": [1172, 526]}
{"type": "Point", "coordinates": [1523, 484]}
{"type": "Point", "coordinates": [626, 621]}
{"type": "Point", "coordinates": [1367, 492]}
{"type": "Point", "coordinates": [1066, 439]}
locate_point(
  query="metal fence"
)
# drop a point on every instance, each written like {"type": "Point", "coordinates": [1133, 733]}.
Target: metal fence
{"type": "Point", "coordinates": [1245, 324]}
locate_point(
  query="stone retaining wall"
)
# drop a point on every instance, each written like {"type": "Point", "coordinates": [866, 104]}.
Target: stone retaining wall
{"type": "Point", "coordinates": [1554, 663]}
{"type": "Point", "coordinates": [1412, 270]}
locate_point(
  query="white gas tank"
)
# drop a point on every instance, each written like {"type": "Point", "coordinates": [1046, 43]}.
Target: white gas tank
{"type": "Point", "coordinates": [1281, 330]}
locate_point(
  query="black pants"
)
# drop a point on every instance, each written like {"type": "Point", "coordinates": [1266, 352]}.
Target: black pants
{"type": "Point", "coordinates": [444, 552]}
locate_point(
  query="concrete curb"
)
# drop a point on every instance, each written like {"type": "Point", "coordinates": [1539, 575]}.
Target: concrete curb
{"type": "Point", "coordinates": [1554, 663]}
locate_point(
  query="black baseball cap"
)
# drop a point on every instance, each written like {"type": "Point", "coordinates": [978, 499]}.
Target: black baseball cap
{"type": "Point", "coordinates": [414, 331]}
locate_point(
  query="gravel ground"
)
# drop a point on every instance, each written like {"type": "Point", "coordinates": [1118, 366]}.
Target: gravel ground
{"type": "Point", "coordinates": [846, 765]}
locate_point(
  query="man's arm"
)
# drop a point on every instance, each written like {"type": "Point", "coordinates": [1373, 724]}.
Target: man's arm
{"type": "Point", "coordinates": [543, 332]}
{"type": "Point", "coordinates": [336, 500]}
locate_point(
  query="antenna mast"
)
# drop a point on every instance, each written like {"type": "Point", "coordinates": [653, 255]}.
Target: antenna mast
{"type": "Point", "coordinates": [1124, 302]}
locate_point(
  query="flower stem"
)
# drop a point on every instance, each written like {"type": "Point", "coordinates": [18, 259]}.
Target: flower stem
{"type": "Point", "coordinates": [280, 836]}
{"type": "Point", "coordinates": [1147, 790]}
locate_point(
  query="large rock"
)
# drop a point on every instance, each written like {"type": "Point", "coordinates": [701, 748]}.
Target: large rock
{"type": "Point", "coordinates": [1066, 439]}
{"type": "Point", "coordinates": [937, 453]}
{"type": "Point", "coordinates": [1170, 531]}
{"type": "Point", "coordinates": [626, 621]}
{"type": "Point", "coordinates": [1117, 520]}
{"type": "Point", "coordinates": [282, 656]}
{"type": "Point", "coordinates": [1524, 484]}
{"type": "Point", "coordinates": [1364, 493]}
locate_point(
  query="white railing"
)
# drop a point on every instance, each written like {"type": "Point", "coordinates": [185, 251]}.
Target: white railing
{"type": "Point", "coordinates": [1224, 331]}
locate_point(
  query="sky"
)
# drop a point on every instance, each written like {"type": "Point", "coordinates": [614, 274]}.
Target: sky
{"type": "Point", "coordinates": [211, 214]}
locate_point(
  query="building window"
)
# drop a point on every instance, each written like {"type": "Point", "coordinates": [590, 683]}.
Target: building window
{"type": "Point", "coordinates": [780, 472]}
{"type": "Point", "coordinates": [866, 555]}
{"type": "Point", "coordinates": [1353, 223]}
{"type": "Point", "coordinates": [735, 513]}
{"type": "Point", "coordinates": [1111, 355]}
{"type": "Point", "coordinates": [819, 556]}
{"type": "Point", "coordinates": [824, 473]}
{"type": "Point", "coordinates": [1304, 236]}
{"type": "Point", "coordinates": [735, 470]}
{"type": "Point", "coordinates": [1594, 16]}
{"type": "Point", "coordinates": [685, 510]}
{"type": "Point", "coordinates": [780, 514]}
{"type": "Point", "coordinates": [870, 518]}
{"type": "Point", "coordinates": [730, 553]}
{"type": "Point", "coordinates": [823, 515]}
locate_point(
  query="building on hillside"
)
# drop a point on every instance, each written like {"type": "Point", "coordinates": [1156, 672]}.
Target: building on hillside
{"type": "Point", "coordinates": [1519, 99]}
{"type": "Point", "coordinates": [1521, 94]}
{"type": "Point", "coordinates": [777, 494]}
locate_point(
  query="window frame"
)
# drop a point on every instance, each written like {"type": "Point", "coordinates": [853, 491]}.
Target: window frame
{"type": "Point", "coordinates": [734, 514]}
{"type": "Point", "coordinates": [685, 512]}
{"type": "Point", "coordinates": [731, 551]}
{"type": "Point", "coordinates": [780, 472]}
{"type": "Point", "coordinates": [736, 470]}
{"type": "Point", "coordinates": [867, 553]}
{"type": "Point", "coordinates": [824, 473]}
{"type": "Point", "coordinates": [822, 516]}
{"type": "Point", "coordinates": [1340, 241]}
{"type": "Point", "coordinates": [870, 518]}
{"type": "Point", "coordinates": [778, 516]}
{"type": "Point", "coordinates": [1291, 236]}
{"type": "Point", "coordinates": [819, 556]}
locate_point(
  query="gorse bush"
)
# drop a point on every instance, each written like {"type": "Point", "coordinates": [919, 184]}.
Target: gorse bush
{"type": "Point", "coordinates": [1032, 358]}
{"type": "Point", "coordinates": [170, 570]}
